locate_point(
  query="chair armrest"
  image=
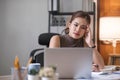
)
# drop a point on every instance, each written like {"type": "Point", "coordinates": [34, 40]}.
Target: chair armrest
{"type": "Point", "coordinates": [34, 51]}
{"type": "Point", "coordinates": [33, 54]}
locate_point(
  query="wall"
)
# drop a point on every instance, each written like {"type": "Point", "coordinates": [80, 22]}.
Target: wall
{"type": "Point", "coordinates": [21, 21]}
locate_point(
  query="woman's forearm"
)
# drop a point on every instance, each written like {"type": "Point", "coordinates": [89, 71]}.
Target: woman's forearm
{"type": "Point", "coordinates": [97, 58]}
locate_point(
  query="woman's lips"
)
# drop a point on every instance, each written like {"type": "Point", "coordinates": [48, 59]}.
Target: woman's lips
{"type": "Point", "coordinates": [77, 34]}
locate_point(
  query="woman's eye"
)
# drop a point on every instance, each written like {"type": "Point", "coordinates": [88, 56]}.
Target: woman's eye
{"type": "Point", "coordinates": [75, 25]}
{"type": "Point", "coordinates": [83, 27]}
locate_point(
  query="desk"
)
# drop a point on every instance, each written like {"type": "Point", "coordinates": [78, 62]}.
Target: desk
{"type": "Point", "coordinates": [113, 76]}
{"type": "Point", "coordinates": [8, 77]}
{"type": "Point", "coordinates": [95, 75]}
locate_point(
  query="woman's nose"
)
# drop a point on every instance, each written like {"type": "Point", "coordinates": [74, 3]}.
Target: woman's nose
{"type": "Point", "coordinates": [78, 29]}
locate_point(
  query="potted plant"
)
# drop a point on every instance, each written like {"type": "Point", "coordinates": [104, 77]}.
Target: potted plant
{"type": "Point", "coordinates": [48, 73]}
{"type": "Point", "coordinates": [33, 72]}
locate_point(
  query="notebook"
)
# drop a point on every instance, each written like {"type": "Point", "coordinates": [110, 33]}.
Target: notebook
{"type": "Point", "coordinates": [70, 62]}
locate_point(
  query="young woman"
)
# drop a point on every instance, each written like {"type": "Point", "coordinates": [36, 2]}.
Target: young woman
{"type": "Point", "coordinates": [78, 34]}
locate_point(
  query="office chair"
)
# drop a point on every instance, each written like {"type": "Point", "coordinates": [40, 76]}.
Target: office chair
{"type": "Point", "coordinates": [38, 54]}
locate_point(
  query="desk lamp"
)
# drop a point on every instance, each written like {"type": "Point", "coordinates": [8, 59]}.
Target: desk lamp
{"type": "Point", "coordinates": [110, 30]}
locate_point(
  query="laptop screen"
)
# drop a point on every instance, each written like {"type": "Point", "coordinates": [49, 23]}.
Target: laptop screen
{"type": "Point", "coordinates": [70, 62]}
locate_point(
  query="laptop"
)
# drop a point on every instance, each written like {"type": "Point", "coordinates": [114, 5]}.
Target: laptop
{"type": "Point", "coordinates": [70, 62]}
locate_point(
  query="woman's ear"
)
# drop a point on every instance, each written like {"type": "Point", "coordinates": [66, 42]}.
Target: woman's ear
{"type": "Point", "coordinates": [69, 25]}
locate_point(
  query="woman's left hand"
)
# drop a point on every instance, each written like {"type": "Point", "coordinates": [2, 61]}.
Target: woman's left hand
{"type": "Point", "coordinates": [88, 37]}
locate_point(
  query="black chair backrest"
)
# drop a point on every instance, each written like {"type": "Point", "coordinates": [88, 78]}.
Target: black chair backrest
{"type": "Point", "coordinates": [44, 38]}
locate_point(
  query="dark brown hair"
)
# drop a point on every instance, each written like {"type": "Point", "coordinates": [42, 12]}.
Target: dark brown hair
{"type": "Point", "coordinates": [76, 14]}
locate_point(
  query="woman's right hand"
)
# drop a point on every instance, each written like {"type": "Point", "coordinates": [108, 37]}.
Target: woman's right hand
{"type": "Point", "coordinates": [95, 68]}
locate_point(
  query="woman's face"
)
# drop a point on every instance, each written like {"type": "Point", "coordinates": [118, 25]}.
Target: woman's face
{"type": "Point", "coordinates": [78, 27]}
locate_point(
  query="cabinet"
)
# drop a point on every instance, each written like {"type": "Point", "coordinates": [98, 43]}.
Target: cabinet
{"type": "Point", "coordinates": [108, 8]}
{"type": "Point", "coordinates": [59, 15]}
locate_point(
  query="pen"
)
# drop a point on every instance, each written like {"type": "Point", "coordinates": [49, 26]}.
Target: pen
{"type": "Point", "coordinates": [116, 72]}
